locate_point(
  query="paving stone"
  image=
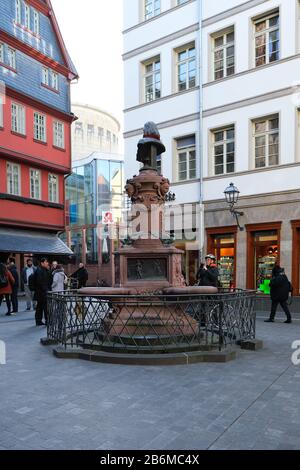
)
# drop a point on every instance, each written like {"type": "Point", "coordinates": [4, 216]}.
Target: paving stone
{"type": "Point", "coordinates": [47, 403]}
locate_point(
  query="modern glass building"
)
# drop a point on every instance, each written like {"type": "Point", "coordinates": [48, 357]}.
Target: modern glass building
{"type": "Point", "coordinates": [95, 186]}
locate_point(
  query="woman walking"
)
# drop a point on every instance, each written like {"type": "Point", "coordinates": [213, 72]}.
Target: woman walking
{"type": "Point", "coordinates": [6, 286]}
{"type": "Point", "coordinates": [59, 279]}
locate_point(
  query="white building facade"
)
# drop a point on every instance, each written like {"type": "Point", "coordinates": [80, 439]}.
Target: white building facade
{"type": "Point", "coordinates": [246, 108]}
{"type": "Point", "coordinates": [161, 46]}
{"type": "Point", "coordinates": [94, 131]}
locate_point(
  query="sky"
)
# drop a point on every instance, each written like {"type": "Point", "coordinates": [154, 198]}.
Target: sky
{"type": "Point", "coordinates": [92, 31]}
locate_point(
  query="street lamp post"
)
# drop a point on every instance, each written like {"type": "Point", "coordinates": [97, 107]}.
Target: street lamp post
{"type": "Point", "coordinates": [232, 195]}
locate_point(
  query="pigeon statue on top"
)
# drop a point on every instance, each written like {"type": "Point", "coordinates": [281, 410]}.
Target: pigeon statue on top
{"type": "Point", "coordinates": [150, 147]}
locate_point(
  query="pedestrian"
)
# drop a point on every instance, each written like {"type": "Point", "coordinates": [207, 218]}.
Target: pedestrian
{"type": "Point", "coordinates": [54, 265]}
{"type": "Point", "coordinates": [42, 285]}
{"type": "Point", "coordinates": [81, 275]}
{"type": "Point", "coordinates": [208, 273]}
{"type": "Point", "coordinates": [59, 279]}
{"type": "Point", "coordinates": [26, 273]}
{"type": "Point", "coordinates": [14, 295]}
{"type": "Point", "coordinates": [280, 288]}
{"type": "Point", "coordinates": [6, 283]}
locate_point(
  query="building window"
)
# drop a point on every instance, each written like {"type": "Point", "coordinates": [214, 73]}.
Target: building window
{"type": "Point", "coordinates": [18, 12]}
{"type": "Point", "coordinates": [50, 78]}
{"type": "Point", "coordinates": [13, 179]}
{"type": "Point", "coordinates": [159, 164]}
{"type": "Point", "coordinates": [152, 8]}
{"type": "Point", "coordinates": [152, 83]}
{"type": "Point", "coordinates": [108, 136]}
{"type": "Point", "coordinates": [18, 119]}
{"type": "Point", "coordinates": [186, 68]}
{"type": "Point", "coordinates": [181, 2]}
{"type": "Point", "coordinates": [36, 22]}
{"type": "Point", "coordinates": [1, 53]}
{"type": "Point", "coordinates": [186, 158]}
{"type": "Point", "coordinates": [224, 150]}
{"type": "Point", "coordinates": [266, 141]}
{"type": "Point", "coordinates": [53, 188]}
{"type": "Point", "coordinates": [267, 41]}
{"type": "Point", "coordinates": [54, 80]}
{"type": "Point", "coordinates": [90, 133]}
{"type": "Point", "coordinates": [58, 134]}
{"type": "Point", "coordinates": [79, 129]}
{"type": "Point", "coordinates": [27, 16]}
{"type": "Point", "coordinates": [40, 127]}
{"type": "Point", "coordinates": [223, 46]}
{"type": "Point", "coordinates": [11, 58]}
{"type": "Point", "coordinates": [45, 76]}
{"type": "Point", "coordinates": [100, 133]}
{"type": "Point", "coordinates": [35, 184]}
{"type": "Point", "coordinates": [92, 248]}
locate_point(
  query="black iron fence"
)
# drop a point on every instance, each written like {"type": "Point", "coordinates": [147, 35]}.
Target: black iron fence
{"type": "Point", "coordinates": [154, 323]}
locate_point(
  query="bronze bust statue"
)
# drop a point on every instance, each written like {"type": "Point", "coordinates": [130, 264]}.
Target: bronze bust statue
{"type": "Point", "coordinates": [150, 147]}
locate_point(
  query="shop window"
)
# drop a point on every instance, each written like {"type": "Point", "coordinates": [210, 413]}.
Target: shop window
{"type": "Point", "coordinates": [223, 246]}
{"type": "Point", "coordinates": [76, 245]}
{"type": "Point", "coordinates": [91, 246]}
{"type": "Point", "coordinates": [263, 253]}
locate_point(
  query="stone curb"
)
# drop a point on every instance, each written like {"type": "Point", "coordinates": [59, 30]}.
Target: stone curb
{"type": "Point", "coordinates": [146, 359]}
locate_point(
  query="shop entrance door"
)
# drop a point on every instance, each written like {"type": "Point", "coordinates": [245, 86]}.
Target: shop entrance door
{"type": "Point", "coordinates": [262, 256]}
{"type": "Point", "coordinates": [223, 246]}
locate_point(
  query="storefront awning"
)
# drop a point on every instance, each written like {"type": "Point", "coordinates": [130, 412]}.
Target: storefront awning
{"type": "Point", "coordinates": [27, 242]}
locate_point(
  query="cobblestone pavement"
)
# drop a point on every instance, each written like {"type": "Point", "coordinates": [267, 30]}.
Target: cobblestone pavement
{"type": "Point", "coordinates": [48, 403]}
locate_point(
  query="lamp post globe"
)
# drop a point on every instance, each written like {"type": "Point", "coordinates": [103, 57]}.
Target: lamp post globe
{"type": "Point", "coordinates": [232, 194]}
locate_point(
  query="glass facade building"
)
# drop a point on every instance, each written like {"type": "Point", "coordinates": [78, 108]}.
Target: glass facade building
{"type": "Point", "coordinates": [92, 189]}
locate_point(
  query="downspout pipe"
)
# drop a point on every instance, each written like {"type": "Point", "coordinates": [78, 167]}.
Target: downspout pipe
{"type": "Point", "coordinates": [200, 139]}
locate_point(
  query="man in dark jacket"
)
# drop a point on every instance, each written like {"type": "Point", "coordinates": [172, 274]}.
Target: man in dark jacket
{"type": "Point", "coordinates": [280, 289]}
{"type": "Point", "coordinates": [208, 274]}
{"type": "Point", "coordinates": [42, 285]}
{"type": "Point", "coordinates": [81, 275]}
{"type": "Point", "coordinates": [14, 295]}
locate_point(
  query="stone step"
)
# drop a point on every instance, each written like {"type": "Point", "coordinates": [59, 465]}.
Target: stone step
{"type": "Point", "coordinates": [186, 358]}
{"type": "Point", "coordinates": [119, 348]}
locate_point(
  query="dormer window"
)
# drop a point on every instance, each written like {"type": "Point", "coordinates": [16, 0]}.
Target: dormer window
{"type": "Point", "coordinates": [18, 12]}
{"type": "Point", "coordinates": [27, 16]}
{"type": "Point", "coordinates": [36, 22]}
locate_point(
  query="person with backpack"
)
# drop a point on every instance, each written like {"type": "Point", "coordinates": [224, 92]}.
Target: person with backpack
{"type": "Point", "coordinates": [14, 295]}
{"type": "Point", "coordinates": [280, 288]}
{"type": "Point", "coordinates": [6, 283]}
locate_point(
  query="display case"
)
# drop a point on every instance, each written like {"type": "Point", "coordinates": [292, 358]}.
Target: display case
{"type": "Point", "coordinates": [265, 265]}
{"type": "Point", "coordinates": [226, 272]}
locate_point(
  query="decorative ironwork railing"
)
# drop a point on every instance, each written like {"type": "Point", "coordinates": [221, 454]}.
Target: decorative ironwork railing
{"type": "Point", "coordinates": [155, 323]}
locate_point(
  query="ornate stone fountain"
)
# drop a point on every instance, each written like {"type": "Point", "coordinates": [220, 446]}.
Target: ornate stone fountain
{"type": "Point", "coordinates": [150, 316]}
{"type": "Point", "coordinates": [150, 262]}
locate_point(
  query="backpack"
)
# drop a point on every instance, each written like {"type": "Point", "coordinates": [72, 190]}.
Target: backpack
{"type": "Point", "coordinates": [32, 282]}
{"type": "Point", "coordinates": [3, 282]}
